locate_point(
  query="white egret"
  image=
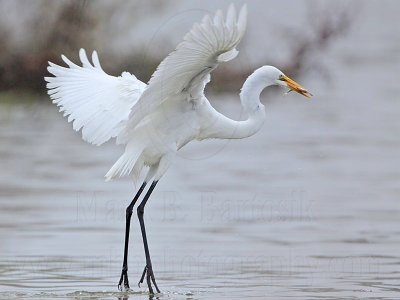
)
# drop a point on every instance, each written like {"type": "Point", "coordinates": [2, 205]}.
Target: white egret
{"type": "Point", "coordinates": [155, 120]}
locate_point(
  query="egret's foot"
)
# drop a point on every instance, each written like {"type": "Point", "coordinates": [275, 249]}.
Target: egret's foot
{"type": "Point", "coordinates": [148, 272]}
{"type": "Point", "coordinates": [123, 284]}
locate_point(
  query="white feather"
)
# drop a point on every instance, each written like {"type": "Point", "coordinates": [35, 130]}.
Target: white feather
{"type": "Point", "coordinates": [95, 102]}
{"type": "Point", "coordinates": [188, 67]}
{"type": "Point", "coordinates": [156, 120]}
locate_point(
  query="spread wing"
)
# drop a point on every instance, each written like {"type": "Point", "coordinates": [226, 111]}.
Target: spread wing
{"type": "Point", "coordinates": [94, 101]}
{"type": "Point", "coordinates": [187, 69]}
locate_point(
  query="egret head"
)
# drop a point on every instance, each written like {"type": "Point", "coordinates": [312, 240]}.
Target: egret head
{"type": "Point", "coordinates": [276, 76]}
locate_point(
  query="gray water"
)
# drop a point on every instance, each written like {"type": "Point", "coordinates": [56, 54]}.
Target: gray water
{"type": "Point", "coordinates": [306, 209]}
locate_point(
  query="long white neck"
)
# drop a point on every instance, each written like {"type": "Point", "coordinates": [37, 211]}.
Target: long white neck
{"type": "Point", "coordinates": [225, 128]}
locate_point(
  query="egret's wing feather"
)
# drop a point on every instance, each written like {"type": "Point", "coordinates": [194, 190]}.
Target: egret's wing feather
{"type": "Point", "coordinates": [94, 101]}
{"type": "Point", "coordinates": [187, 68]}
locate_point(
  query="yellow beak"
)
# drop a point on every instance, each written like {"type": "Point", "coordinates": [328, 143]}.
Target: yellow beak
{"type": "Point", "coordinates": [294, 86]}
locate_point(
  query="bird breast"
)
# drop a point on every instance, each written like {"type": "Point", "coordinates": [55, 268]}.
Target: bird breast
{"type": "Point", "coordinates": [168, 129]}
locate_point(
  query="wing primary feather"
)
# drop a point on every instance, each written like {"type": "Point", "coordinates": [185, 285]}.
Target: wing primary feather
{"type": "Point", "coordinates": [68, 62]}
{"type": "Point", "coordinates": [96, 62]}
{"type": "Point", "coordinates": [242, 20]}
{"type": "Point", "coordinates": [94, 101]}
{"type": "Point", "coordinates": [218, 18]}
{"type": "Point", "coordinates": [84, 59]}
{"type": "Point", "coordinates": [231, 16]}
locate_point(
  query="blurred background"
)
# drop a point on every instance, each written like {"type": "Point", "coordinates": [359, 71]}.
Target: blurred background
{"type": "Point", "coordinates": [307, 208]}
{"type": "Point", "coordinates": [137, 35]}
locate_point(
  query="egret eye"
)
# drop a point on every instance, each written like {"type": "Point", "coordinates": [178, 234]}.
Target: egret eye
{"type": "Point", "coordinates": [282, 78]}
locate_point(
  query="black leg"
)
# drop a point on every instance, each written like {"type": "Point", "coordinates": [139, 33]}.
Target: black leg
{"type": "Point", "coordinates": [129, 210]}
{"type": "Point", "coordinates": [148, 270]}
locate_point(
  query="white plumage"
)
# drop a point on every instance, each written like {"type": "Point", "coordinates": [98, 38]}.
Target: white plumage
{"type": "Point", "coordinates": [156, 120]}
{"type": "Point", "coordinates": [184, 71]}
{"type": "Point", "coordinates": [93, 100]}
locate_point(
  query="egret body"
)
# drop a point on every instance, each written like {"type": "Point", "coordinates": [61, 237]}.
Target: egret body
{"type": "Point", "coordinates": [155, 120]}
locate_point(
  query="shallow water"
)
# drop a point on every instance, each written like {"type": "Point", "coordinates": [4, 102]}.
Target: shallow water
{"type": "Point", "coordinates": [306, 209]}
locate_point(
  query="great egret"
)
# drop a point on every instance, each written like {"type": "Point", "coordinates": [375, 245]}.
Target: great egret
{"type": "Point", "coordinates": [155, 120]}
